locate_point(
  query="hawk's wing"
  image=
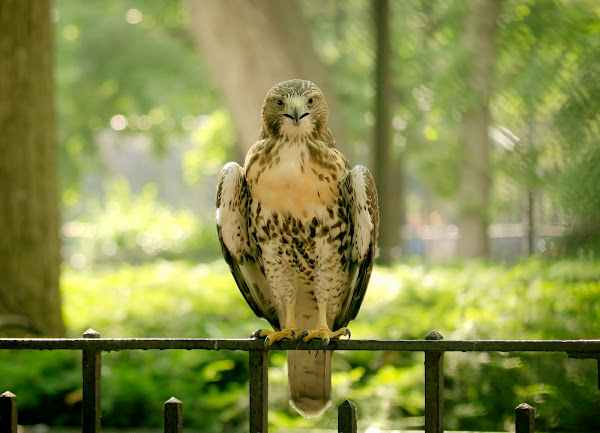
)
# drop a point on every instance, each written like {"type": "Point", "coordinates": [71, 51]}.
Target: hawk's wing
{"type": "Point", "coordinates": [232, 228]}
{"type": "Point", "coordinates": [360, 195]}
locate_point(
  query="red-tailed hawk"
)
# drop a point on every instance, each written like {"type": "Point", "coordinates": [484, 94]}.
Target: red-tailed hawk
{"type": "Point", "coordinates": [298, 228]}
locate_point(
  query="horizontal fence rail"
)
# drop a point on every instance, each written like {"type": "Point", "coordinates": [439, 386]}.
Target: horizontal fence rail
{"type": "Point", "coordinates": [433, 346]}
{"type": "Point", "coordinates": [115, 344]}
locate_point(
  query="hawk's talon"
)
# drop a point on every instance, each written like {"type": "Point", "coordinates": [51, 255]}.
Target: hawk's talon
{"type": "Point", "coordinates": [302, 337]}
{"type": "Point", "coordinates": [324, 334]}
{"type": "Point", "coordinates": [349, 333]}
{"type": "Point", "coordinates": [261, 333]}
{"type": "Point", "coordinates": [284, 334]}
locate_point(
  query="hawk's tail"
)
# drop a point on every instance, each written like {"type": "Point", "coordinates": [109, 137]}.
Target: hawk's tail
{"type": "Point", "coordinates": [309, 380]}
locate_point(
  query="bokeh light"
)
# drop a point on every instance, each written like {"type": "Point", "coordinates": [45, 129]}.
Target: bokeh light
{"type": "Point", "coordinates": [134, 16]}
{"type": "Point", "coordinates": [118, 122]}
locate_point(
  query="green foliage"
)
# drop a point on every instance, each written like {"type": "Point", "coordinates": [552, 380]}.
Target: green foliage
{"type": "Point", "coordinates": [132, 59]}
{"type": "Point", "coordinates": [213, 143]}
{"type": "Point", "coordinates": [531, 300]}
{"type": "Point", "coordinates": [136, 60]}
{"type": "Point", "coordinates": [124, 226]}
{"type": "Point", "coordinates": [547, 96]}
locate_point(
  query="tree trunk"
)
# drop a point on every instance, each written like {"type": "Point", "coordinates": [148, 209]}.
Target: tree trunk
{"type": "Point", "coordinates": [29, 243]}
{"type": "Point", "coordinates": [388, 173]}
{"type": "Point", "coordinates": [251, 48]}
{"type": "Point", "coordinates": [475, 181]}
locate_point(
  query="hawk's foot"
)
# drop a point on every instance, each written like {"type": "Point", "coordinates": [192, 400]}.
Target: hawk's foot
{"type": "Point", "coordinates": [273, 336]}
{"type": "Point", "coordinates": [324, 334]}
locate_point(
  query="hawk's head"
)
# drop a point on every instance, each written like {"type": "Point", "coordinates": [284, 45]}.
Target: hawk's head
{"type": "Point", "coordinates": [293, 109]}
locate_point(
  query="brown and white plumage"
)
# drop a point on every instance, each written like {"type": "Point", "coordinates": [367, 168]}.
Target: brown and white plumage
{"type": "Point", "coordinates": [298, 228]}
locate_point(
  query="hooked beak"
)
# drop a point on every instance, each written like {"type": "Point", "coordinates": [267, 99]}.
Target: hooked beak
{"type": "Point", "coordinates": [296, 116]}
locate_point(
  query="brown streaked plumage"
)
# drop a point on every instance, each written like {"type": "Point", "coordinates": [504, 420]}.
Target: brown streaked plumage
{"type": "Point", "coordinates": [298, 227]}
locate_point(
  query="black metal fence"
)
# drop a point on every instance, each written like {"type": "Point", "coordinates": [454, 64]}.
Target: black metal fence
{"type": "Point", "coordinates": [433, 346]}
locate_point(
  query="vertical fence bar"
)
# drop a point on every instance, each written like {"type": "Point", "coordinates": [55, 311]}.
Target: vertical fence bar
{"type": "Point", "coordinates": [259, 391]}
{"type": "Point", "coordinates": [347, 417]}
{"type": "Point", "coordinates": [434, 388]}
{"type": "Point", "coordinates": [91, 365]}
{"type": "Point", "coordinates": [173, 416]}
{"type": "Point", "coordinates": [524, 418]}
{"type": "Point", "coordinates": [9, 405]}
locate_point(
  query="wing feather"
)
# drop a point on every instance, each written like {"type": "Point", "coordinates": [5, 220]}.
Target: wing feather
{"type": "Point", "coordinates": [360, 195]}
{"type": "Point", "coordinates": [232, 227]}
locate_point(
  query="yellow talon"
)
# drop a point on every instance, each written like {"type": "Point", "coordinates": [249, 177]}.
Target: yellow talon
{"type": "Point", "coordinates": [324, 334]}
{"type": "Point", "coordinates": [284, 334]}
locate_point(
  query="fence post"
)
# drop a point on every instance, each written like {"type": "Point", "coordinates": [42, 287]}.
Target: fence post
{"type": "Point", "coordinates": [524, 418]}
{"type": "Point", "coordinates": [347, 417]}
{"type": "Point", "coordinates": [91, 362]}
{"type": "Point", "coordinates": [8, 412]}
{"type": "Point", "coordinates": [173, 416]}
{"type": "Point", "coordinates": [259, 390]}
{"type": "Point", "coordinates": [434, 388]}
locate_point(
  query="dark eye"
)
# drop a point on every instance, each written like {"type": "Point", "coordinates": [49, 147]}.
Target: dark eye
{"type": "Point", "coordinates": [310, 102]}
{"type": "Point", "coordinates": [279, 103]}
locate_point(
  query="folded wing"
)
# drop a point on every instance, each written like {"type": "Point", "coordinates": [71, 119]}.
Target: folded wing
{"type": "Point", "coordinates": [232, 227]}
{"type": "Point", "coordinates": [360, 195]}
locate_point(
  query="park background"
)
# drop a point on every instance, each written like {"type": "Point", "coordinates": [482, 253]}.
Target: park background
{"type": "Point", "coordinates": [479, 120]}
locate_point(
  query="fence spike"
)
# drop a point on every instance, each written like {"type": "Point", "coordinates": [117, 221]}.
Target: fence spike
{"type": "Point", "coordinates": [9, 404]}
{"type": "Point", "coordinates": [524, 418]}
{"type": "Point", "coordinates": [434, 335]}
{"type": "Point", "coordinates": [90, 333]}
{"type": "Point", "coordinates": [347, 417]}
{"type": "Point", "coordinates": [173, 416]}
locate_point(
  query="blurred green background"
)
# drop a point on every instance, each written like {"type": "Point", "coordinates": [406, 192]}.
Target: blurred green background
{"type": "Point", "coordinates": [148, 99]}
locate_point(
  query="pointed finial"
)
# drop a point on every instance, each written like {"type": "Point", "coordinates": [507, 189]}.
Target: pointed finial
{"type": "Point", "coordinates": [90, 333]}
{"type": "Point", "coordinates": [434, 335]}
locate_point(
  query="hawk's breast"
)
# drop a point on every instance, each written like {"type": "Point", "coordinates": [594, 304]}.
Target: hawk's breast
{"type": "Point", "coordinates": [289, 182]}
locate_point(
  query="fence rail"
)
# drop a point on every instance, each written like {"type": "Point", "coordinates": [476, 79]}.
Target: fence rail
{"type": "Point", "coordinates": [583, 347]}
{"type": "Point", "coordinates": [433, 346]}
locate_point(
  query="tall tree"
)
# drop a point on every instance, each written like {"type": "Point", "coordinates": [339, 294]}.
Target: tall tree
{"type": "Point", "coordinates": [387, 171]}
{"type": "Point", "coordinates": [29, 243]}
{"type": "Point", "coordinates": [251, 48]}
{"type": "Point", "coordinates": [475, 181]}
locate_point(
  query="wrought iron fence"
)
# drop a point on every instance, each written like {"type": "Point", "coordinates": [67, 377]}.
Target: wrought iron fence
{"type": "Point", "coordinates": [433, 346]}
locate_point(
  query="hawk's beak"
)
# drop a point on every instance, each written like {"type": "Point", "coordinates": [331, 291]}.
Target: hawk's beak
{"type": "Point", "coordinates": [297, 107]}
{"type": "Point", "coordinates": [296, 118]}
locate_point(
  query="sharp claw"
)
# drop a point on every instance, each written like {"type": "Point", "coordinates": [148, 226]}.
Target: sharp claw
{"type": "Point", "coordinates": [299, 338]}
{"type": "Point", "coordinates": [326, 342]}
{"type": "Point", "coordinates": [267, 342]}
{"type": "Point", "coordinates": [257, 334]}
{"type": "Point", "coordinates": [349, 333]}
{"type": "Point", "coordinates": [293, 333]}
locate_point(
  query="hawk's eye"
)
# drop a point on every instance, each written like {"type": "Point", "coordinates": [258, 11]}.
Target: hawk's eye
{"type": "Point", "coordinates": [310, 102]}
{"type": "Point", "coordinates": [280, 103]}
